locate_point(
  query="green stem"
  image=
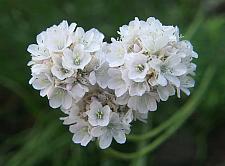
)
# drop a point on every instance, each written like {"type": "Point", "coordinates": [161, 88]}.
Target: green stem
{"type": "Point", "coordinates": [141, 160]}
{"type": "Point", "coordinates": [155, 131]}
{"type": "Point", "coordinates": [186, 111]}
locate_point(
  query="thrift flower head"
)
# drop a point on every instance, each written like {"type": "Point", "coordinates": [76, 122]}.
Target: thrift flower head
{"type": "Point", "coordinates": [103, 87]}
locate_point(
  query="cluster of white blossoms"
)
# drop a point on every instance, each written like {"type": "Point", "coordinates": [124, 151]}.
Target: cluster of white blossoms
{"type": "Point", "coordinates": [103, 87]}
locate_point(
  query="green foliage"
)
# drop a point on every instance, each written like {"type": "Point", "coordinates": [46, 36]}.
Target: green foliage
{"type": "Point", "coordinates": [31, 132]}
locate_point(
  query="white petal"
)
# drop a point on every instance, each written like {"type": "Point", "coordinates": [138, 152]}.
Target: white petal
{"type": "Point", "coordinates": [120, 91]}
{"type": "Point", "coordinates": [162, 80]}
{"type": "Point", "coordinates": [116, 82]}
{"type": "Point", "coordinates": [142, 104]}
{"type": "Point", "coordinates": [78, 34]}
{"type": "Point", "coordinates": [95, 105]}
{"type": "Point", "coordinates": [173, 60]}
{"type": "Point", "coordinates": [84, 61]}
{"type": "Point", "coordinates": [179, 70]}
{"type": "Point", "coordinates": [178, 92]}
{"type": "Point", "coordinates": [40, 68]}
{"type": "Point", "coordinates": [128, 117]}
{"type": "Point", "coordinates": [138, 88]}
{"type": "Point", "coordinates": [60, 73]}
{"type": "Point", "coordinates": [78, 91]}
{"type": "Point", "coordinates": [93, 40]}
{"type": "Point", "coordinates": [92, 78]}
{"type": "Point", "coordinates": [122, 100]}
{"type": "Point", "coordinates": [105, 121]}
{"type": "Point", "coordinates": [33, 49]}
{"type": "Point", "coordinates": [152, 104]}
{"type": "Point", "coordinates": [186, 91]}
{"type": "Point", "coordinates": [102, 76]}
{"type": "Point", "coordinates": [77, 138]}
{"type": "Point", "coordinates": [115, 78]}
{"type": "Point", "coordinates": [171, 90]}
{"type": "Point", "coordinates": [72, 27]}
{"type": "Point", "coordinates": [163, 93]}
{"type": "Point", "coordinates": [105, 140]}
{"type": "Point", "coordinates": [114, 60]}
{"type": "Point", "coordinates": [120, 137]}
{"type": "Point", "coordinates": [173, 79]}
{"type": "Point", "coordinates": [56, 98]}
{"type": "Point", "coordinates": [41, 37]}
{"type": "Point", "coordinates": [155, 64]}
{"type": "Point", "coordinates": [114, 119]}
{"type": "Point", "coordinates": [41, 83]}
{"type": "Point", "coordinates": [161, 42]}
{"type": "Point", "coordinates": [46, 91]}
{"type": "Point", "coordinates": [116, 56]}
{"type": "Point", "coordinates": [86, 139]}
{"type": "Point", "coordinates": [67, 59]}
{"type": "Point", "coordinates": [67, 101]}
{"type": "Point", "coordinates": [194, 54]}
{"type": "Point", "coordinates": [96, 131]}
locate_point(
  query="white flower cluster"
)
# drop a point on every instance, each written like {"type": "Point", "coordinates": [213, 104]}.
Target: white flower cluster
{"type": "Point", "coordinates": [103, 87]}
{"type": "Point", "coordinates": [61, 62]}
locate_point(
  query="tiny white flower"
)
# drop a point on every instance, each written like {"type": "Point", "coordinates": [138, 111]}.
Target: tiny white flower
{"type": "Point", "coordinates": [186, 82]}
{"type": "Point", "coordinates": [116, 56]}
{"type": "Point", "coordinates": [98, 68]}
{"type": "Point", "coordinates": [78, 91]}
{"type": "Point", "coordinates": [157, 36]}
{"type": "Point", "coordinates": [41, 37]}
{"type": "Point", "coordinates": [128, 117]}
{"type": "Point", "coordinates": [76, 58]}
{"type": "Point", "coordinates": [134, 88]}
{"type": "Point", "coordinates": [144, 103]}
{"type": "Point", "coordinates": [81, 133]}
{"type": "Point", "coordinates": [59, 71]}
{"type": "Point", "coordinates": [122, 100]}
{"type": "Point", "coordinates": [57, 38]}
{"type": "Point", "coordinates": [59, 97]}
{"type": "Point", "coordinates": [38, 52]}
{"type": "Point", "coordinates": [78, 35]}
{"type": "Point", "coordinates": [138, 88]}
{"type": "Point", "coordinates": [100, 76]}
{"type": "Point", "coordinates": [40, 68]}
{"type": "Point", "coordinates": [190, 67]}
{"type": "Point", "coordinates": [137, 67]}
{"type": "Point", "coordinates": [98, 115]}
{"type": "Point", "coordinates": [169, 70]}
{"type": "Point", "coordinates": [165, 92]}
{"type": "Point", "coordinates": [140, 116]}
{"type": "Point", "coordinates": [92, 39]}
{"type": "Point", "coordinates": [73, 114]}
{"type": "Point", "coordinates": [186, 49]}
{"type": "Point", "coordinates": [42, 82]}
{"type": "Point", "coordinates": [115, 130]}
{"type": "Point", "coordinates": [116, 82]}
{"type": "Point", "coordinates": [130, 34]}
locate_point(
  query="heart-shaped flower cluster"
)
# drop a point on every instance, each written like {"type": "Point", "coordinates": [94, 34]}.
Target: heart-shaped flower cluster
{"type": "Point", "coordinates": [103, 87]}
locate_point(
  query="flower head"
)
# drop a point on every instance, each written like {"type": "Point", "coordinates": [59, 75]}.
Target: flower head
{"type": "Point", "coordinates": [103, 87]}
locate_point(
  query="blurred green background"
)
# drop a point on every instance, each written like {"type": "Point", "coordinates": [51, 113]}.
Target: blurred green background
{"type": "Point", "coordinates": [30, 131]}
